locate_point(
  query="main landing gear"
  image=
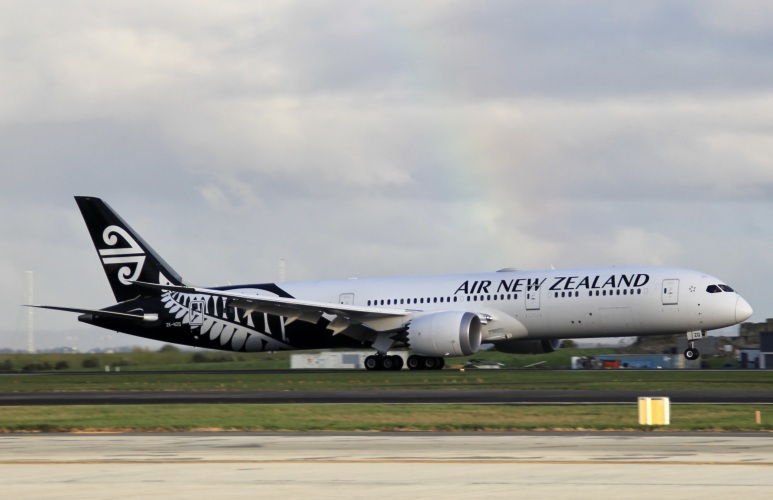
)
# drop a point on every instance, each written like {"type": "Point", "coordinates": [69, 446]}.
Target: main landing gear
{"type": "Point", "coordinates": [691, 353]}
{"type": "Point", "coordinates": [376, 362]}
{"type": "Point", "coordinates": [425, 363]}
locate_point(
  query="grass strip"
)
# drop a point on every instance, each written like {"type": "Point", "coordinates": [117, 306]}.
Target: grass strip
{"type": "Point", "coordinates": [646, 381]}
{"type": "Point", "coordinates": [370, 417]}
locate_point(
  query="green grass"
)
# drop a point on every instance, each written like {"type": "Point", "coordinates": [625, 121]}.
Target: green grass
{"type": "Point", "coordinates": [363, 417]}
{"type": "Point", "coordinates": [141, 360]}
{"type": "Point", "coordinates": [378, 417]}
{"type": "Point", "coordinates": [649, 382]}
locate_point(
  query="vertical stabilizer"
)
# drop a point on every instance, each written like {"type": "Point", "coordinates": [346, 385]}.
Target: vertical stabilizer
{"type": "Point", "coordinates": [125, 256]}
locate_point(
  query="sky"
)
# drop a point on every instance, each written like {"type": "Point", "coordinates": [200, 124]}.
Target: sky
{"type": "Point", "coordinates": [381, 138]}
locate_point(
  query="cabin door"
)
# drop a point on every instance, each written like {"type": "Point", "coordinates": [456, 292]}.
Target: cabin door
{"type": "Point", "coordinates": [670, 292]}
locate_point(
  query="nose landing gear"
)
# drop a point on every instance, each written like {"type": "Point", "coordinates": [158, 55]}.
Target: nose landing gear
{"type": "Point", "coordinates": [691, 352]}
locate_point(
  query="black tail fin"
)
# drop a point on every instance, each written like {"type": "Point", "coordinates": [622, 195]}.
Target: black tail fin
{"type": "Point", "coordinates": [124, 254]}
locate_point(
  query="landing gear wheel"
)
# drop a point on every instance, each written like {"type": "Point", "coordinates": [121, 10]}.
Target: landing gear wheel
{"type": "Point", "coordinates": [434, 363]}
{"type": "Point", "coordinates": [415, 362]}
{"type": "Point", "coordinates": [373, 363]}
{"type": "Point", "coordinates": [388, 362]}
{"type": "Point", "coordinates": [398, 363]}
{"type": "Point", "coordinates": [691, 354]}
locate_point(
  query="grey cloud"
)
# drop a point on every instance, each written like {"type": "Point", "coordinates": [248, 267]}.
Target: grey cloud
{"type": "Point", "coordinates": [385, 138]}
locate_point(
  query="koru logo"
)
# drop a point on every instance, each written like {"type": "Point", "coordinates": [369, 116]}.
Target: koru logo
{"type": "Point", "coordinates": [131, 255]}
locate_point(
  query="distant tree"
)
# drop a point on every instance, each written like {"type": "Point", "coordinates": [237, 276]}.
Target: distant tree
{"type": "Point", "coordinates": [568, 344]}
{"type": "Point", "coordinates": [91, 363]}
{"type": "Point", "coordinates": [169, 348]}
{"type": "Point", "coordinates": [199, 357]}
{"type": "Point", "coordinates": [6, 365]}
{"type": "Point", "coordinates": [62, 365]}
{"type": "Point", "coordinates": [36, 366]}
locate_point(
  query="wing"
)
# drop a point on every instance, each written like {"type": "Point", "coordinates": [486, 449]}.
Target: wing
{"type": "Point", "coordinates": [300, 310]}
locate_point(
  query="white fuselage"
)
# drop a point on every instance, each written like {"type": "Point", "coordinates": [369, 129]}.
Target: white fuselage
{"type": "Point", "coordinates": [551, 304]}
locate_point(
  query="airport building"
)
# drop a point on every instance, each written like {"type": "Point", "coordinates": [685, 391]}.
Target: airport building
{"type": "Point", "coordinates": [758, 337]}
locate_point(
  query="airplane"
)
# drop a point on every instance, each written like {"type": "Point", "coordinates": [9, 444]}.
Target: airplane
{"type": "Point", "coordinates": [433, 316]}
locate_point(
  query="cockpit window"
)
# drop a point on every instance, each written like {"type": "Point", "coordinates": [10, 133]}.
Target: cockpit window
{"type": "Point", "coordinates": [726, 288]}
{"type": "Point", "coordinates": [713, 289]}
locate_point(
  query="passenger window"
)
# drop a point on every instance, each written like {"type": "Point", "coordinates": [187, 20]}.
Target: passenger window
{"type": "Point", "coordinates": [713, 289]}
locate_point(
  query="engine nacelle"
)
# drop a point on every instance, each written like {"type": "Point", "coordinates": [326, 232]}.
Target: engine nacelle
{"type": "Point", "coordinates": [447, 333]}
{"type": "Point", "coordinates": [536, 346]}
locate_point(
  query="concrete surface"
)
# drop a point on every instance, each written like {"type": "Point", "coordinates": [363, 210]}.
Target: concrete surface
{"type": "Point", "coordinates": [393, 465]}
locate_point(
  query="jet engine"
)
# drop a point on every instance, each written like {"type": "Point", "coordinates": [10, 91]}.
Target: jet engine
{"type": "Point", "coordinates": [536, 346]}
{"type": "Point", "coordinates": [448, 333]}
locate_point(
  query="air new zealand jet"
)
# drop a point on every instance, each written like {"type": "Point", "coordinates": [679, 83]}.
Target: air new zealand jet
{"type": "Point", "coordinates": [433, 316]}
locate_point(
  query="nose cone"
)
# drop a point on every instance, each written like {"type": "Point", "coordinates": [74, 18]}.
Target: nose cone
{"type": "Point", "coordinates": [743, 310]}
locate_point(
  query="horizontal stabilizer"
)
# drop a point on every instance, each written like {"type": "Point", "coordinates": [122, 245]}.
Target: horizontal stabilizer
{"type": "Point", "coordinates": [98, 312]}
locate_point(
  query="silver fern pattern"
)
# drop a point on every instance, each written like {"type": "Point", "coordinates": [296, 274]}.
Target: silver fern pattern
{"type": "Point", "coordinates": [225, 325]}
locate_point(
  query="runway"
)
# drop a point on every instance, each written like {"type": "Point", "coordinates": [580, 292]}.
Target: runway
{"type": "Point", "coordinates": [498, 396]}
{"type": "Point", "coordinates": [391, 465]}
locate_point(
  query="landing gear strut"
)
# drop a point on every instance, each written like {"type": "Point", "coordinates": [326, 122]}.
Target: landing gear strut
{"type": "Point", "coordinates": [691, 352]}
